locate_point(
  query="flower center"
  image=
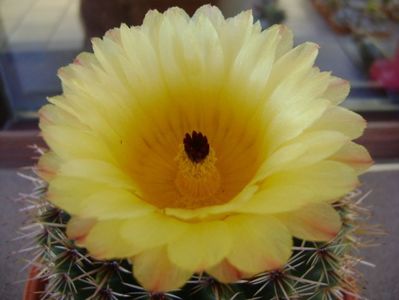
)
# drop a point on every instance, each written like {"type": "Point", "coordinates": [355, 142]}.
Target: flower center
{"type": "Point", "coordinates": [198, 179]}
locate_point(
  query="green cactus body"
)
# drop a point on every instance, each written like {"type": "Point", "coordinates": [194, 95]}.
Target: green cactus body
{"type": "Point", "coordinates": [317, 271]}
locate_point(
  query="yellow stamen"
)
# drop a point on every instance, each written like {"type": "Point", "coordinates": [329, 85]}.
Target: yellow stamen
{"type": "Point", "coordinates": [197, 182]}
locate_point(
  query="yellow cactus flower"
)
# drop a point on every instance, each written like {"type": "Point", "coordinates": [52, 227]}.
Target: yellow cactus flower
{"type": "Point", "coordinates": [199, 144]}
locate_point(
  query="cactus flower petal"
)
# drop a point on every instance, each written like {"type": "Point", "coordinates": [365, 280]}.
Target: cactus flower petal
{"type": "Point", "coordinates": [48, 165]}
{"type": "Point", "coordinates": [78, 228]}
{"type": "Point", "coordinates": [341, 120]}
{"type": "Point", "coordinates": [225, 272]}
{"type": "Point", "coordinates": [202, 246]}
{"type": "Point", "coordinates": [289, 190]}
{"type": "Point", "coordinates": [355, 156]}
{"type": "Point", "coordinates": [156, 272]}
{"type": "Point", "coordinates": [313, 222]}
{"type": "Point", "coordinates": [104, 241]}
{"type": "Point", "coordinates": [152, 230]}
{"type": "Point", "coordinates": [259, 243]}
{"type": "Point", "coordinates": [337, 90]}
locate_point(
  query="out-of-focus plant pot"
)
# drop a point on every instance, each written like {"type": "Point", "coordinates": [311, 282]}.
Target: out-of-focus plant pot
{"type": "Point", "coordinates": [337, 27]}
{"type": "Point", "coordinates": [324, 10]}
{"type": "Point", "coordinates": [328, 13]}
{"type": "Point", "coordinates": [98, 16]}
{"type": "Point", "coordinates": [34, 286]}
{"type": "Point", "coordinates": [348, 297]}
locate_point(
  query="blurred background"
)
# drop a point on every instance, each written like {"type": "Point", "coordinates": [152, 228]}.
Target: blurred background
{"type": "Point", "coordinates": [359, 41]}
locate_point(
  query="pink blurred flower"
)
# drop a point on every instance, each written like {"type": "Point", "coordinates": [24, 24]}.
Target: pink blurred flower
{"type": "Point", "coordinates": [386, 72]}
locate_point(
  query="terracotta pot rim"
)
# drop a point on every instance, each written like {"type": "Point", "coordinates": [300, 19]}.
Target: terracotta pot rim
{"type": "Point", "coordinates": [34, 286]}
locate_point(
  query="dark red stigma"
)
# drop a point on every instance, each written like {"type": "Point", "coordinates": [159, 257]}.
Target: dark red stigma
{"type": "Point", "coordinates": [196, 146]}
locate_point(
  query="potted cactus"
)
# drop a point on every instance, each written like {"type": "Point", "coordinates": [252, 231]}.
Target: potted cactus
{"type": "Point", "coordinates": [198, 158]}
